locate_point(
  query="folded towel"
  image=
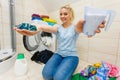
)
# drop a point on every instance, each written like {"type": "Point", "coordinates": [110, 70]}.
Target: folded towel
{"type": "Point", "coordinates": [37, 15]}
{"type": "Point", "coordinates": [27, 26]}
{"type": "Point", "coordinates": [42, 57]}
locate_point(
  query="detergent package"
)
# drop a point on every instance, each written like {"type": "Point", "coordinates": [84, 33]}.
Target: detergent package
{"type": "Point", "coordinates": [94, 17]}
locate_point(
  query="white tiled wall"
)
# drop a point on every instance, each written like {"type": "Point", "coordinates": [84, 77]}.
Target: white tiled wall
{"type": "Point", "coordinates": [0, 25]}
{"type": "Point", "coordinates": [5, 26]}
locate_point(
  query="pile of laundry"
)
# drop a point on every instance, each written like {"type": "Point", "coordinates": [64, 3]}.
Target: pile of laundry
{"type": "Point", "coordinates": [99, 71]}
{"type": "Point", "coordinates": [37, 19]}
{"type": "Point", "coordinates": [43, 19]}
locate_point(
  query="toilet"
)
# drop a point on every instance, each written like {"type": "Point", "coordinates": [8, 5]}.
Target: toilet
{"type": "Point", "coordinates": [7, 64]}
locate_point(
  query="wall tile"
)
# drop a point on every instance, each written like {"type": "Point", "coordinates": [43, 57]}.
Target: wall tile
{"type": "Point", "coordinates": [115, 8]}
{"type": "Point", "coordinates": [83, 55]}
{"type": "Point", "coordinates": [6, 39]}
{"type": "Point", "coordinates": [109, 5]}
{"type": "Point", "coordinates": [107, 46]}
{"type": "Point", "coordinates": [100, 3]}
{"type": "Point", "coordinates": [118, 61]}
{"type": "Point", "coordinates": [112, 32]}
{"type": "Point", "coordinates": [95, 56]}
{"type": "Point", "coordinates": [82, 43]}
{"type": "Point", "coordinates": [19, 2]}
{"type": "Point", "coordinates": [119, 48]}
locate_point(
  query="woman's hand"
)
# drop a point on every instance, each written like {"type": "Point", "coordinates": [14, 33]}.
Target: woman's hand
{"type": "Point", "coordinates": [26, 32]}
{"type": "Point", "coordinates": [80, 25]}
{"type": "Point", "coordinates": [102, 25]}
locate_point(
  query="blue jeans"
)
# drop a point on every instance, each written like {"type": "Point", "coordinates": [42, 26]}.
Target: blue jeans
{"type": "Point", "coordinates": [60, 68]}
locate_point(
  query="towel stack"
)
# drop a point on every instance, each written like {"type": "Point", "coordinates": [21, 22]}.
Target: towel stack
{"type": "Point", "coordinates": [37, 19]}
{"type": "Point", "coordinates": [44, 18]}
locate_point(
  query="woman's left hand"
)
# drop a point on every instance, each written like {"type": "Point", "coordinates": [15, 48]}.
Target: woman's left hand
{"type": "Point", "coordinates": [26, 32]}
{"type": "Point", "coordinates": [102, 25]}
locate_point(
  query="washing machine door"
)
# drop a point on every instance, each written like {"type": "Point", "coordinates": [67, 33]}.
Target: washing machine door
{"type": "Point", "coordinates": [31, 42]}
{"type": "Point", "coordinates": [40, 41]}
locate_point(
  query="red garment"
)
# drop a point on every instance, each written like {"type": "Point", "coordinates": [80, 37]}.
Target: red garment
{"type": "Point", "coordinates": [35, 15]}
{"type": "Point", "coordinates": [114, 71]}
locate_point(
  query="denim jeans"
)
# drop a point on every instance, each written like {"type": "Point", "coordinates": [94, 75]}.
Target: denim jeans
{"type": "Point", "coordinates": [60, 68]}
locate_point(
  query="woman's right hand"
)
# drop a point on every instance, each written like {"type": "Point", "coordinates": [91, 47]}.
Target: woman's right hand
{"type": "Point", "coordinates": [26, 32]}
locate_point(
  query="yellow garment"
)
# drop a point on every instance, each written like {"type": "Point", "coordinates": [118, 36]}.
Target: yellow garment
{"type": "Point", "coordinates": [49, 20]}
{"type": "Point", "coordinates": [97, 65]}
{"type": "Point", "coordinates": [94, 72]}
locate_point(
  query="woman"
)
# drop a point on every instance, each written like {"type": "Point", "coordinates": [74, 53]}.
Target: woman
{"type": "Point", "coordinates": [63, 63]}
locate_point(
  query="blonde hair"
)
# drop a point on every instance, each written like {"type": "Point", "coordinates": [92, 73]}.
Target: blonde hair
{"type": "Point", "coordinates": [70, 10]}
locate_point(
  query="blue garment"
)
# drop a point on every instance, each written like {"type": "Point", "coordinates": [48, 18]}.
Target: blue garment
{"type": "Point", "coordinates": [60, 68]}
{"type": "Point", "coordinates": [67, 38]}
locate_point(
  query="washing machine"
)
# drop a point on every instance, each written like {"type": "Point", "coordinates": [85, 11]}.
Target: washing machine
{"type": "Point", "coordinates": [39, 42]}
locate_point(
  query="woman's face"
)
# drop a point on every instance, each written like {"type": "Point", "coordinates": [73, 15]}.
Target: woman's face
{"type": "Point", "coordinates": [65, 15]}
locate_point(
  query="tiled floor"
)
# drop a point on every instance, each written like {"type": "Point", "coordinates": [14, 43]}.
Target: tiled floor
{"type": "Point", "coordinates": [34, 71]}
